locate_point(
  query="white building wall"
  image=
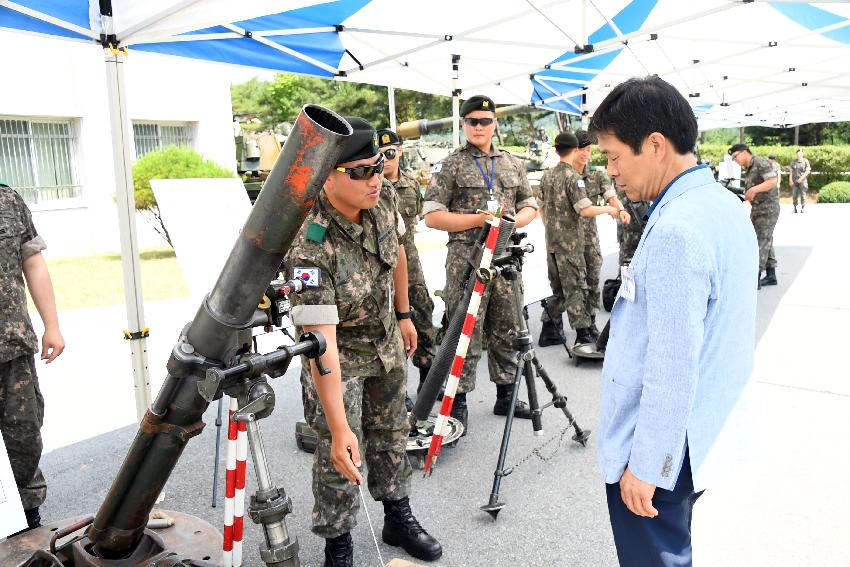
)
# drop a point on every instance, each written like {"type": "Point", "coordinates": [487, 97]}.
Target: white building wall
{"type": "Point", "coordinates": [63, 79]}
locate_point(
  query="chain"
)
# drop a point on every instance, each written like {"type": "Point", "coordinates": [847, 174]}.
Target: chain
{"type": "Point", "coordinates": [538, 451]}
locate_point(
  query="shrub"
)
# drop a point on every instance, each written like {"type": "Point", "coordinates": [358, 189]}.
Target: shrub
{"type": "Point", "coordinates": [171, 162]}
{"type": "Point", "coordinates": [835, 192]}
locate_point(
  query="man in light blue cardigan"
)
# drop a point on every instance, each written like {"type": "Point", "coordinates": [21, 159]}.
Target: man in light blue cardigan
{"type": "Point", "coordinates": [675, 410]}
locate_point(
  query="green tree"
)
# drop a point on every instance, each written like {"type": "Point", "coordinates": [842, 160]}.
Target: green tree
{"type": "Point", "coordinates": [171, 162]}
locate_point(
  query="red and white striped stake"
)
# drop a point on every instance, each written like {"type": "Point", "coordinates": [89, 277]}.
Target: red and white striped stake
{"type": "Point", "coordinates": [441, 425]}
{"type": "Point", "coordinates": [234, 488]}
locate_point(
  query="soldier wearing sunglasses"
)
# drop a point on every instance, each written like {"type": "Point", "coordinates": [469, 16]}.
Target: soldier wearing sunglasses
{"type": "Point", "coordinates": [355, 270]}
{"type": "Point", "coordinates": [410, 207]}
{"type": "Point", "coordinates": [480, 177]}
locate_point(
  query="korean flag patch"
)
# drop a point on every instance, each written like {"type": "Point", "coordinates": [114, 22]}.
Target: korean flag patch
{"type": "Point", "coordinates": [310, 276]}
{"type": "Point", "coordinates": [437, 167]}
{"type": "Point", "coordinates": [580, 183]}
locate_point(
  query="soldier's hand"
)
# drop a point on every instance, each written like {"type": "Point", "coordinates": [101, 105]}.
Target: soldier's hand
{"type": "Point", "coordinates": [345, 455]}
{"type": "Point", "coordinates": [485, 217]}
{"type": "Point", "coordinates": [52, 345]}
{"type": "Point", "coordinates": [750, 195]}
{"type": "Point", "coordinates": [613, 212]}
{"type": "Point", "coordinates": [625, 217]}
{"type": "Point", "coordinates": [408, 335]}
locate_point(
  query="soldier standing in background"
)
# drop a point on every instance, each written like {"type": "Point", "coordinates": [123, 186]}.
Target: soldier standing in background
{"type": "Point", "coordinates": [628, 234]}
{"type": "Point", "coordinates": [349, 256]}
{"type": "Point", "coordinates": [800, 170]}
{"type": "Point", "coordinates": [763, 193]}
{"type": "Point", "coordinates": [480, 177]}
{"type": "Point", "coordinates": [572, 242]}
{"type": "Point", "coordinates": [21, 402]}
{"type": "Point", "coordinates": [410, 207]}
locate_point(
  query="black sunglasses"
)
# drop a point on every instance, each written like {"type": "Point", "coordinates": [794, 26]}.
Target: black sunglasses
{"type": "Point", "coordinates": [477, 121]}
{"type": "Point", "coordinates": [390, 153]}
{"type": "Point", "coordinates": [362, 172]}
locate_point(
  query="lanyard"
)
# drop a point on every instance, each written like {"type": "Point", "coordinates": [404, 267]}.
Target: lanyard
{"type": "Point", "coordinates": [488, 179]}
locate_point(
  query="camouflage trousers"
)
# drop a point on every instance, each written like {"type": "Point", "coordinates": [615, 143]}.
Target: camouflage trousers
{"type": "Point", "coordinates": [374, 406]}
{"type": "Point", "coordinates": [496, 318]}
{"type": "Point", "coordinates": [628, 238]}
{"type": "Point", "coordinates": [423, 313]}
{"type": "Point", "coordinates": [798, 191]}
{"type": "Point", "coordinates": [21, 417]}
{"type": "Point", "coordinates": [574, 279]}
{"type": "Point", "coordinates": [764, 217]}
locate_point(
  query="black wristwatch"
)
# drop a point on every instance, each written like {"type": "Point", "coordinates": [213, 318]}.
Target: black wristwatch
{"type": "Point", "coordinates": [404, 314]}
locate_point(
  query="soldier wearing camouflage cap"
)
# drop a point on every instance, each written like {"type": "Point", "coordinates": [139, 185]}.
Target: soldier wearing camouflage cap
{"type": "Point", "coordinates": [355, 270]}
{"type": "Point", "coordinates": [410, 206]}
{"type": "Point", "coordinates": [21, 402]}
{"type": "Point", "coordinates": [569, 192]}
{"type": "Point", "coordinates": [480, 177]}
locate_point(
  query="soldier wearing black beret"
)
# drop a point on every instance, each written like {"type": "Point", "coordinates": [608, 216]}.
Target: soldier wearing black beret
{"type": "Point", "coordinates": [480, 177]}
{"type": "Point", "coordinates": [355, 270]}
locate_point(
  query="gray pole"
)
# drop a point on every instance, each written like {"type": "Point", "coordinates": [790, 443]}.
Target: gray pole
{"type": "Point", "coordinates": [391, 104]}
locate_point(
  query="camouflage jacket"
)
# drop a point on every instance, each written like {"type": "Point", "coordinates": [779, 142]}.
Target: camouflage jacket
{"type": "Point", "coordinates": [798, 168]}
{"type": "Point", "coordinates": [458, 185]}
{"type": "Point", "coordinates": [599, 189]}
{"type": "Point", "coordinates": [409, 204]}
{"type": "Point", "coordinates": [351, 266]}
{"type": "Point", "coordinates": [18, 241]}
{"type": "Point", "coordinates": [759, 171]}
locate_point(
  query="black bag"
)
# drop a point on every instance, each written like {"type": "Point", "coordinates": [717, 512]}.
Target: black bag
{"type": "Point", "coordinates": [609, 292]}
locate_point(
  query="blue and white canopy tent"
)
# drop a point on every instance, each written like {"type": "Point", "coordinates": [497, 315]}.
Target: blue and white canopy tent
{"type": "Point", "coordinates": [741, 62]}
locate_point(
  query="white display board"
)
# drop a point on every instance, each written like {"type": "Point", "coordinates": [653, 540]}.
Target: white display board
{"type": "Point", "coordinates": [203, 218]}
{"type": "Point", "coordinates": [12, 517]}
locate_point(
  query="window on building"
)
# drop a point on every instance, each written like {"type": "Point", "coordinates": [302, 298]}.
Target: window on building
{"type": "Point", "coordinates": [37, 159]}
{"type": "Point", "coordinates": [149, 136]}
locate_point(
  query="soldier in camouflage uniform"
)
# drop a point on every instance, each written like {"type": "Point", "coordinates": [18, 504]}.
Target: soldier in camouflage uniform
{"type": "Point", "coordinates": [800, 170]}
{"type": "Point", "coordinates": [628, 234]}
{"type": "Point", "coordinates": [355, 270]}
{"type": "Point", "coordinates": [569, 193]}
{"type": "Point", "coordinates": [410, 207]}
{"type": "Point", "coordinates": [762, 192]}
{"type": "Point", "coordinates": [466, 189]}
{"type": "Point", "coordinates": [21, 402]}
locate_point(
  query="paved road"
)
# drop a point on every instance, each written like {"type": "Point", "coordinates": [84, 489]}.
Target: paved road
{"type": "Point", "coordinates": [786, 509]}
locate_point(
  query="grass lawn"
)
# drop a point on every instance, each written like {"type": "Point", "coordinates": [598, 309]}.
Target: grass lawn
{"type": "Point", "coordinates": [90, 281]}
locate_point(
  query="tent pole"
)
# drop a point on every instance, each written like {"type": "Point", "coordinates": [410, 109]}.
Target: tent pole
{"type": "Point", "coordinates": [455, 103]}
{"type": "Point", "coordinates": [391, 104]}
{"type": "Point", "coordinates": [797, 135]}
{"type": "Point", "coordinates": [120, 126]}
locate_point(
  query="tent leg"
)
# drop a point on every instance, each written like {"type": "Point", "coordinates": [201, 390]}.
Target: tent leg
{"type": "Point", "coordinates": [391, 104]}
{"type": "Point", "coordinates": [120, 125]}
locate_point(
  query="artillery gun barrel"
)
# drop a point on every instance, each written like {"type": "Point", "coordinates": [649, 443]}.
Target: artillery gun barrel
{"type": "Point", "coordinates": [218, 330]}
{"type": "Point", "coordinates": [417, 128]}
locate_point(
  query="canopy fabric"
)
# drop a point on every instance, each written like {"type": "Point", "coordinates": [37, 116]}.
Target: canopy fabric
{"type": "Point", "coordinates": [740, 63]}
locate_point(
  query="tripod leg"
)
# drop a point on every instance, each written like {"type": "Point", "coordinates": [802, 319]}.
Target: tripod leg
{"type": "Point", "coordinates": [560, 401]}
{"type": "Point", "coordinates": [269, 507]}
{"type": "Point", "coordinates": [493, 506]}
{"type": "Point", "coordinates": [217, 452]}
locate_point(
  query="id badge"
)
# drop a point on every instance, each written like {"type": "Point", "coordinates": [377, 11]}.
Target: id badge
{"type": "Point", "coordinates": [627, 286]}
{"type": "Point", "coordinates": [492, 206]}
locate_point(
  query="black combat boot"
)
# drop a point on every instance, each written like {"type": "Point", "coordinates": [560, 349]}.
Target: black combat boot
{"type": "Point", "coordinates": [769, 277]}
{"type": "Point", "coordinates": [402, 530]}
{"type": "Point", "coordinates": [33, 521]}
{"type": "Point", "coordinates": [795, 208]}
{"type": "Point", "coordinates": [460, 412]}
{"type": "Point", "coordinates": [549, 334]}
{"type": "Point", "coordinates": [503, 403]}
{"type": "Point", "coordinates": [583, 336]}
{"type": "Point", "coordinates": [594, 332]}
{"type": "Point", "coordinates": [408, 403]}
{"type": "Point", "coordinates": [339, 551]}
{"type": "Point", "coordinates": [802, 208]}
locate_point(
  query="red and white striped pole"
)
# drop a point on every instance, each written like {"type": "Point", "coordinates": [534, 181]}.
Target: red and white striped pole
{"type": "Point", "coordinates": [442, 422]}
{"type": "Point", "coordinates": [234, 488]}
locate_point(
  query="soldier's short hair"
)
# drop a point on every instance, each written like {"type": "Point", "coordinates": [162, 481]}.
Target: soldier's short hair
{"type": "Point", "coordinates": [640, 106]}
{"type": "Point", "coordinates": [738, 148]}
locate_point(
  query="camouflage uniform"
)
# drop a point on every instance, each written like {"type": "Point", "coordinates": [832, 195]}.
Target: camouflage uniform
{"type": "Point", "coordinates": [798, 189]}
{"type": "Point", "coordinates": [21, 402]}
{"type": "Point", "coordinates": [410, 207]}
{"type": "Point", "coordinates": [572, 241]}
{"type": "Point", "coordinates": [628, 235]}
{"type": "Point", "coordinates": [355, 292]}
{"type": "Point", "coordinates": [458, 186]}
{"type": "Point", "coordinates": [765, 210]}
